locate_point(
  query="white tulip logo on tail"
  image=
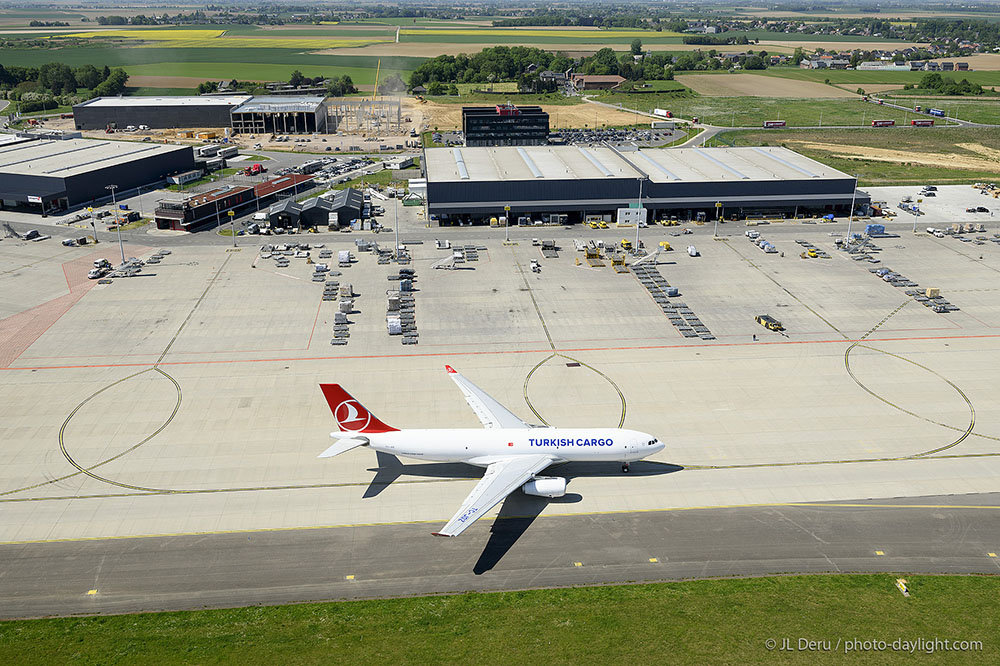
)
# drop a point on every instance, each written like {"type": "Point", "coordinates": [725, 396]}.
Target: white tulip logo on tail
{"type": "Point", "coordinates": [350, 418]}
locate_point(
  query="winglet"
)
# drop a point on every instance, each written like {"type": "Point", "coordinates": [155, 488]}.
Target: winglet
{"type": "Point", "coordinates": [441, 534]}
{"type": "Point", "coordinates": [451, 370]}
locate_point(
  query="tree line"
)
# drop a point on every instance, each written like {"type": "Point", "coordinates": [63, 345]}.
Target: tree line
{"type": "Point", "coordinates": [54, 84]}
{"type": "Point", "coordinates": [503, 63]}
{"type": "Point", "coordinates": [337, 86]}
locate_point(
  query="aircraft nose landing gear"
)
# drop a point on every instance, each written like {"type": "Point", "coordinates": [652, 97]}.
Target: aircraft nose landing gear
{"type": "Point", "coordinates": [625, 468]}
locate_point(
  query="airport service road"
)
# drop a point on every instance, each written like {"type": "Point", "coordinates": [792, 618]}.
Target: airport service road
{"type": "Point", "coordinates": [949, 535]}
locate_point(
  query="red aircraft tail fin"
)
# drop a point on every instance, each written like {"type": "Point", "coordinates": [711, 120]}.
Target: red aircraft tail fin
{"type": "Point", "coordinates": [350, 414]}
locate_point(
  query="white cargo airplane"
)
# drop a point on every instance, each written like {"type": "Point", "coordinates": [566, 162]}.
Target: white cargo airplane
{"type": "Point", "coordinates": [512, 451]}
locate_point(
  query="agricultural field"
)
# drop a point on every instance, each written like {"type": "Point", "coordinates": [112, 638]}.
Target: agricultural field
{"type": "Point", "coordinates": [890, 156]}
{"type": "Point", "coordinates": [479, 21]}
{"type": "Point", "coordinates": [540, 37]}
{"type": "Point", "coordinates": [754, 85]}
{"type": "Point", "coordinates": [213, 38]}
{"type": "Point", "coordinates": [245, 64]}
{"type": "Point", "coordinates": [12, 18]}
{"type": "Point", "coordinates": [665, 86]}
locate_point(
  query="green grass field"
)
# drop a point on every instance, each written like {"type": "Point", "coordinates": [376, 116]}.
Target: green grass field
{"type": "Point", "coordinates": [383, 178]}
{"type": "Point", "coordinates": [917, 142]}
{"type": "Point", "coordinates": [862, 77]}
{"type": "Point", "coordinates": [974, 109]}
{"type": "Point", "coordinates": [159, 92]}
{"type": "Point", "coordinates": [216, 63]}
{"type": "Point", "coordinates": [753, 111]}
{"type": "Point", "coordinates": [696, 622]}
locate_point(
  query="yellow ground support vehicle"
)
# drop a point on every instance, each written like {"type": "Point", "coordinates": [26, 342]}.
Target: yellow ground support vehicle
{"type": "Point", "coordinates": [626, 244]}
{"type": "Point", "coordinates": [603, 225]}
{"type": "Point", "coordinates": [665, 246]}
{"type": "Point", "coordinates": [812, 254]}
{"type": "Point", "coordinates": [593, 225]}
{"type": "Point", "coordinates": [769, 322]}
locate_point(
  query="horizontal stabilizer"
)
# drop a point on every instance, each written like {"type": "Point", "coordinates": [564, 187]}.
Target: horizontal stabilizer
{"type": "Point", "coordinates": [343, 445]}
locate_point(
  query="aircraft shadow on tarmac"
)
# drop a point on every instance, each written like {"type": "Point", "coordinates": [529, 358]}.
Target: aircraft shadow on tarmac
{"type": "Point", "coordinates": [518, 510]}
{"type": "Point", "coordinates": [391, 468]}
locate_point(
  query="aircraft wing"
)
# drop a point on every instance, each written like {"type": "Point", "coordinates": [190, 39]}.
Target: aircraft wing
{"type": "Point", "coordinates": [490, 412]}
{"type": "Point", "coordinates": [501, 479]}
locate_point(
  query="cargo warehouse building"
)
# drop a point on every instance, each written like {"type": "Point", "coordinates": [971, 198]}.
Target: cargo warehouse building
{"type": "Point", "coordinates": [157, 112]}
{"type": "Point", "coordinates": [244, 113]}
{"type": "Point", "coordinates": [46, 176]}
{"type": "Point", "coordinates": [505, 125]}
{"type": "Point", "coordinates": [473, 184]}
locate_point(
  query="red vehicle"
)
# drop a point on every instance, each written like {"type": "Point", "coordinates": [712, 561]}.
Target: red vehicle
{"type": "Point", "coordinates": [254, 169]}
{"type": "Point", "coordinates": [883, 123]}
{"type": "Point", "coordinates": [773, 123]}
{"type": "Point", "coordinates": [922, 123]}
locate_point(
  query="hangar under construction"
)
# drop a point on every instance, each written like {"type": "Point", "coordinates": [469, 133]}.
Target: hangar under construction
{"type": "Point", "coordinates": [280, 115]}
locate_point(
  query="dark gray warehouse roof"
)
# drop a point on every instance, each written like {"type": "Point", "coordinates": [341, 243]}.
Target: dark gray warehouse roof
{"type": "Point", "coordinates": [62, 159]}
{"type": "Point", "coordinates": [348, 198]}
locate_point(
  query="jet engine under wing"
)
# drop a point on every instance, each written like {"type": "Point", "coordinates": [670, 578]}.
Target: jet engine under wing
{"type": "Point", "coordinates": [501, 479]}
{"type": "Point", "coordinates": [490, 412]}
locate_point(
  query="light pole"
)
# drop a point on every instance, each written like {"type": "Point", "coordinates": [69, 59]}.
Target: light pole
{"type": "Point", "coordinates": [93, 224]}
{"type": "Point", "coordinates": [639, 217]}
{"type": "Point", "coordinates": [718, 213]}
{"type": "Point", "coordinates": [506, 223]}
{"type": "Point", "coordinates": [850, 217]}
{"type": "Point", "coordinates": [232, 225]}
{"type": "Point", "coordinates": [916, 214]}
{"type": "Point", "coordinates": [118, 224]}
{"type": "Point", "coordinates": [138, 198]}
{"type": "Point", "coordinates": [395, 226]}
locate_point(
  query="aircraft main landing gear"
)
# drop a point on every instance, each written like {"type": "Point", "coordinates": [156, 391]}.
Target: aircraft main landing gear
{"type": "Point", "coordinates": [625, 468]}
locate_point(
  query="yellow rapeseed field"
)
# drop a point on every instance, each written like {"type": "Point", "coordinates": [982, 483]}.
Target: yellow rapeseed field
{"type": "Point", "coordinates": [219, 39]}
{"type": "Point", "coordinates": [157, 35]}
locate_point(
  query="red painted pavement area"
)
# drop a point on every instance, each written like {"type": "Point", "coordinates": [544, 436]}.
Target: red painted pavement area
{"type": "Point", "coordinates": [20, 331]}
